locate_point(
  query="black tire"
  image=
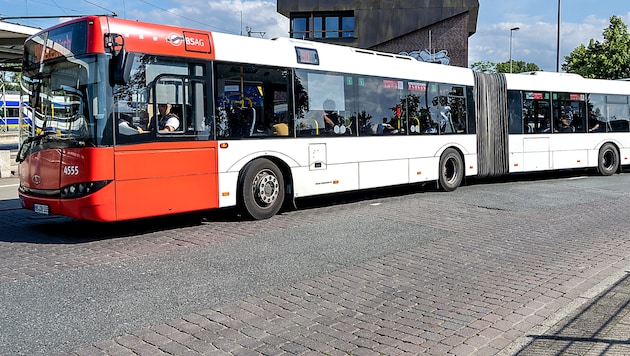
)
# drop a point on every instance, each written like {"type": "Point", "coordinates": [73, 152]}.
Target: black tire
{"type": "Point", "coordinates": [608, 162]}
{"type": "Point", "coordinates": [451, 170]}
{"type": "Point", "coordinates": [262, 189]}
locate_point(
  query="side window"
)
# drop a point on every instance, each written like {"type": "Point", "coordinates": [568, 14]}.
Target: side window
{"type": "Point", "coordinates": [165, 99]}
{"type": "Point", "coordinates": [324, 104]}
{"type": "Point", "coordinates": [515, 112]}
{"type": "Point", "coordinates": [608, 113]}
{"type": "Point", "coordinates": [417, 110]}
{"type": "Point", "coordinates": [170, 95]}
{"type": "Point", "coordinates": [596, 113]}
{"type": "Point", "coordinates": [380, 106]}
{"type": "Point", "coordinates": [452, 109]}
{"type": "Point", "coordinates": [537, 112]}
{"type": "Point", "coordinates": [252, 101]}
{"type": "Point", "coordinates": [617, 113]}
{"type": "Point", "coordinates": [569, 112]}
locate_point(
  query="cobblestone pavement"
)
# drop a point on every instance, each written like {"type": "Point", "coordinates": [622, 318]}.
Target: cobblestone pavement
{"type": "Point", "coordinates": [601, 326]}
{"type": "Point", "coordinates": [501, 274]}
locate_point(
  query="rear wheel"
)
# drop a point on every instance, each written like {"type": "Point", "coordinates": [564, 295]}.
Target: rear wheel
{"type": "Point", "coordinates": [262, 189]}
{"type": "Point", "coordinates": [608, 162]}
{"type": "Point", "coordinates": [451, 170]}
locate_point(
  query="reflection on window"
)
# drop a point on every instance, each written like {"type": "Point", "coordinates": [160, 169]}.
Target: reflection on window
{"type": "Point", "coordinates": [252, 101]}
{"type": "Point", "coordinates": [608, 113]}
{"type": "Point", "coordinates": [324, 101]}
{"type": "Point", "coordinates": [380, 106]}
{"type": "Point", "coordinates": [165, 99]}
{"type": "Point", "coordinates": [569, 112]}
{"type": "Point", "coordinates": [322, 25]}
{"type": "Point", "coordinates": [537, 112]}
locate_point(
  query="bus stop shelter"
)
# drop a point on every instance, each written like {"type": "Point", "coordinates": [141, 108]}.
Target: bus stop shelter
{"type": "Point", "coordinates": [12, 37]}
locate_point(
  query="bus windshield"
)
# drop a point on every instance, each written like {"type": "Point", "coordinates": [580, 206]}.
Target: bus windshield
{"type": "Point", "coordinates": [58, 99]}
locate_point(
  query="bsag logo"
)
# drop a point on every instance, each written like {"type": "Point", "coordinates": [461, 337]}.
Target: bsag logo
{"type": "Point", "coordinates": [195, 42]}
{"type": "Point", "coordinates": [175, 39]}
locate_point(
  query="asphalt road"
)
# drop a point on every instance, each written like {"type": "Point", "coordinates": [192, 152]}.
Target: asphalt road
{"type": "Point", "coordinates": [465, 265]}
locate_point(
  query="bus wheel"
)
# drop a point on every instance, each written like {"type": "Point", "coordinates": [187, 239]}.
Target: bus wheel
{"type": "Point", "coordinates": [262, 187]}
{"type": "Point", "coordinates": [608, 160]}
{"type": "Point", "coordinates": [451, 170]}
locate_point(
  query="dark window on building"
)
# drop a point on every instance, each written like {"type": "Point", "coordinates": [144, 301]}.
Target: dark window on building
{"type": "Point", "coordinates": [322, 25]}
{"type": "Point", "coordinates": [299, 27]}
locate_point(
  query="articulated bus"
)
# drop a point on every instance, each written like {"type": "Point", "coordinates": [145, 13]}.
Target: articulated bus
{"type": "Point", "coordinates": [261, 123]}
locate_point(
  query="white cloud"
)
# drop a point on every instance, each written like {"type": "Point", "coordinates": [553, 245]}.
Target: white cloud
{"type": "Point", "coordinates": [229, 16]}
{"type": "Point", "coordinates": [536, 41]}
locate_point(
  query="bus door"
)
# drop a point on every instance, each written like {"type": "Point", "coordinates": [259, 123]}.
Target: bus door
{"type": "Point", "coordinates": [538, 127]}
{"type": "Point", "coordinates": [165, 160]}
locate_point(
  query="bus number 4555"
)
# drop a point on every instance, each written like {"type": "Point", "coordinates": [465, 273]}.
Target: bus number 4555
{"type": "Point", "coordinates": [71, 170]}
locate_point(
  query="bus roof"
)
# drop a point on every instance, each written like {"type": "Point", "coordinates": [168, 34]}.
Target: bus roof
{"type": "Point", "coordinates": [564, 82]}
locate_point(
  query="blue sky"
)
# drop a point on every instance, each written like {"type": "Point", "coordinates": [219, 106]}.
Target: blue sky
{"type": "Point", "coordinates": [534, 42]}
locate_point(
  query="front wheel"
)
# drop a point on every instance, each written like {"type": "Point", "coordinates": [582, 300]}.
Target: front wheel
{"type": "Point", "coordinates": [262, 189]}
{"type": "Point", "coordinates": [451, 170]}
{"type": "Point", "coordinates": [608, 162]}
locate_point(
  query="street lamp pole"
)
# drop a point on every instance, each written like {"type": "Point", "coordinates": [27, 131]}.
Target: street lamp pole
{"type": "Point", "coordinates": [512, 31]}
{"type": "Point", "coordinates": [558, 41]}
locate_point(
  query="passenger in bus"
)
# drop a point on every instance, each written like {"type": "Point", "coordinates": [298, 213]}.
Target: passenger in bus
{"type": "Point", "coordinates": [330, 116]}
{"type": "Point", "coordinates": [564, 125]}
{"type": "Point", "coordinates": [593, 120]}
{"type": "Point", "coordinates": [386, 128]}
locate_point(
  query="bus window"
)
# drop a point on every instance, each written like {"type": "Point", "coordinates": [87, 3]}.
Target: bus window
{"type": "Point", "coordinates": [321, 100]}
{"type": "Point", "coordinates": [161, 90]}
{"type": "Point", "coordinates": [608, 113]}
{"type": "Point", "coordinates": [452, 109]}
{"type": "Point", "coordinates": [596, 111]}
{"type": "Point", "coordinates": [515, 112]}
{"type": "Point", "coordinates": [380, 103]}
{"type": "Point", "coordinates": [536, 112]}
{"type": "Point", "coordinates": [418, 112]}
{"type": "Point", "coordinates": [252, 101]}
{"type": "Point", "coordinates": [617, 113]}
{"type": "Point", "coordinates": [569, 112]}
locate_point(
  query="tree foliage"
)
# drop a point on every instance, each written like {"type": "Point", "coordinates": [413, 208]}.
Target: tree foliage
{"type": "Point", "coordinates": [11, 76]}
{"type": "Point", "coordinates": [504, 67]}
{"type": "Point", "coordinates": [609, 59]}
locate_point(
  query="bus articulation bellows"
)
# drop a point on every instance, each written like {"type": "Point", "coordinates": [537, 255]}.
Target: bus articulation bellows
{"type": "Point", "coordinates": [260, 123]}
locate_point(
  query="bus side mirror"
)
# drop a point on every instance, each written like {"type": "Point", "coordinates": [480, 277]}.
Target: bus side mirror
{"type": "Point", "coordinates": [121, 62]}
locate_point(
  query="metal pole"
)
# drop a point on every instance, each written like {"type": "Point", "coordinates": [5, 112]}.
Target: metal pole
{"type": "Point", "coordinates": [558, 38]}
{"type": "Point", "coordinates": [511, 31]}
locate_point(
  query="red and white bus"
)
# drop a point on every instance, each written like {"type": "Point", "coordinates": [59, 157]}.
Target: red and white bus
{"type": "Point", "coordinates": [260, 123]}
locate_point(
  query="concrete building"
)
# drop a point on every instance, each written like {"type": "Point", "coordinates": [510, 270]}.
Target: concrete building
{"type": "Point", "coordinates": [430, 30]}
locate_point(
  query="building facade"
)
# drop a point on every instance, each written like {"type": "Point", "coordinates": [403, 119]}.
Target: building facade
{"type": "Point", "coordinates": [429, 30]}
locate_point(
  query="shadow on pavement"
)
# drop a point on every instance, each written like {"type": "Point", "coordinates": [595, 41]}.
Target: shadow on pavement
{"type": "Point", "coordinates": [601, 327]}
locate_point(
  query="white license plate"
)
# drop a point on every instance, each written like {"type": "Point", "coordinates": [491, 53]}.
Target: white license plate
{"type": "Point", "coordinates": [41, 209]}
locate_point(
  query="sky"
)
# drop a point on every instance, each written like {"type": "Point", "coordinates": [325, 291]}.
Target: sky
{"type": "Point", "coordinates": [535, 41]}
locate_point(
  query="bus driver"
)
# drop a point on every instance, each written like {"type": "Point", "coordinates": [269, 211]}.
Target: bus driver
{"type": "Point", "coordinates": [167, 121]}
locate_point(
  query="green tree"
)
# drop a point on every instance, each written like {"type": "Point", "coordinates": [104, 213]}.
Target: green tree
{"type": "Point", "coordinates": [609, 59]}
{"type": "Point", "coordinates": [517, 67]}
{"type": "Point", "coordinates": [484, 67]}
{"type": "Point", "coordinates": [10, 73]}
{"type": "Point", "coordinates": [504, 67]}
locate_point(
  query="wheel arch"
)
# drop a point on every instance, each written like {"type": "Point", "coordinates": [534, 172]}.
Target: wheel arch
{"type": "Point", "coordinates": [284, 168]}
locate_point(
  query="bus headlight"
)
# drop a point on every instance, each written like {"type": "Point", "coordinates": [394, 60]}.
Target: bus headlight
{"type": "Point", "coordinates": [78, 190]}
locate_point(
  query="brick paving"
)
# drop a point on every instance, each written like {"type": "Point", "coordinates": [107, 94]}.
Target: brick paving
{"type": "Point", "coordinates": [493, 277]}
